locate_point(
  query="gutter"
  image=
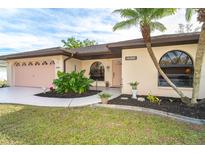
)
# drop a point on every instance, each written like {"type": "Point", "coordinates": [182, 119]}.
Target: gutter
{"type": "Point", "coordinates": [64, 62]}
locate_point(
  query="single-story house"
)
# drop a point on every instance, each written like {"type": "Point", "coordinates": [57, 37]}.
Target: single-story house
{"type": "Point", "coordinates": [115, 63]}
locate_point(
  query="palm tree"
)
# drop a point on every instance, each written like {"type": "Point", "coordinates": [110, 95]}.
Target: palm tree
{"type": "Point", "coordinates": [146, 20]}
{"type": "Point", "coordinates": [200, 50]}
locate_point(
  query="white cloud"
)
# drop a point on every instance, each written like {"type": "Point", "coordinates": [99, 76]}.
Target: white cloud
{"type": "Point", "coordinates": [24, 42]}
{"type": "Point", "coordinates": [29, 29]}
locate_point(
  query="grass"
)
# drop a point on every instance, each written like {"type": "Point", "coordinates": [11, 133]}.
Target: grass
{"type": "Point", "coordinates": [42, 125]}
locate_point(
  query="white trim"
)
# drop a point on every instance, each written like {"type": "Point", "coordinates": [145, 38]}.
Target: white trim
{"type": "Point", "coordinates": [170, 88]}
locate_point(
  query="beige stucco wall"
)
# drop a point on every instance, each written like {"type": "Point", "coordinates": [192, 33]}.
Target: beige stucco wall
{"type": "Point", "coordinates": [143, 71]}
{"type": "Point", "coordinates": [72, 63]}
{"type": "Point", "coordinates": [10, 64]}
{"type": "Point", "coordinates": [108, 69]}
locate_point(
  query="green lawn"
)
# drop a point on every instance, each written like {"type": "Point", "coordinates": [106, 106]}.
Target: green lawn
{"type": "Point", "coordinates": [42, 125]}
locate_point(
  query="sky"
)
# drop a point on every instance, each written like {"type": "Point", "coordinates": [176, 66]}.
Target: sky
{"type": "Point", "coordinates": [30, 29]}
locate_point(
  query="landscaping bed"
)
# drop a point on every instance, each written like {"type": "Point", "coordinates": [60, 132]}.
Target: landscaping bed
{"type": "Point", "coordinates": [167, 104]}
{"type": "Point", "coordinates": [68, 95]}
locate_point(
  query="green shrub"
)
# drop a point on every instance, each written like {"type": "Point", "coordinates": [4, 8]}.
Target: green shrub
{"type": "Point", "coordinates": [105, 95]}
{"type": "Point", "coordinates": [153, 99]}
{"type": "Point", "coordinates": [72, 82]}
{"type": "Point", "coordinates": [3, 83]}
{"type": "Point", "coordinates": [134, 85]}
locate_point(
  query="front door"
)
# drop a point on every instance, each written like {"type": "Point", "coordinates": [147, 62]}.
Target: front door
{"type": "Point", "coordinates": [117, 73]}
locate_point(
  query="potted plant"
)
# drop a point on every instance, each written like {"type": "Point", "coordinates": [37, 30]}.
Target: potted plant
{"type": "Point", "coordinates": [107, 84]}
{"type": "Point", "coordinates": [104, 97]}
{"type": "Point", "coordinates": [3, 84]}
{"type": "Point", "coordinates": [134, 89]}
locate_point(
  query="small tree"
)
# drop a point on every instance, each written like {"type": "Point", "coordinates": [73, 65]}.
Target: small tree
{"type": "Point", "coordinates": [187, 28]}
{"type": "Point", "coordinates": [72, 43]}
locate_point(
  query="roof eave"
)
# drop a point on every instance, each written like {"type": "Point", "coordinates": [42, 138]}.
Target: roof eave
{"type": "Point", "coordinates": [34, 56]}
{"type": "Point", "coordinates": [138, 43]}
{"type": "Point", "coordinates": [59, 51]}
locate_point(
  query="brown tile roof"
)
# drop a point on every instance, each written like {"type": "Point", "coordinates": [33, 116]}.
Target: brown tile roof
{"type": "Point", "coordinates": [37, 53]}
{"type": "Point", "coordinates": [109, 50]}
{"type": "Point", "coordinates": [161, 40]}
{"type": "Point", "coordinates": [93, 52]}
{"type": "Point", "coordinates": [91, 49]}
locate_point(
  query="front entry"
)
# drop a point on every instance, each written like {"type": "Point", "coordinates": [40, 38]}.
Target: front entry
{"type": "Point", "coordinates": [117, 73]}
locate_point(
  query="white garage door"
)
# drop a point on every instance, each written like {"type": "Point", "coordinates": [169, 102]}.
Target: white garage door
{"type": "Point", "coordinates": [34, 74]}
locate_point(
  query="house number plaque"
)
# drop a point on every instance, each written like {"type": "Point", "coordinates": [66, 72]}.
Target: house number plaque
{"type": "Point", "coordinates": [131, 58]}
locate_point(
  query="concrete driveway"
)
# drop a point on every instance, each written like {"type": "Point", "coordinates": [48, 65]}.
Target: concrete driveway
{"type": "Point", "coordinates": [25, 95]}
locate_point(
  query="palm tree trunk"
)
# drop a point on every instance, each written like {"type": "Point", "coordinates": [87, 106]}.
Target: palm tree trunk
{"type": "Point", "coordinates": [151, 53]}
{"type": "Point", "coordinates": [198, 65]}
{"type": "Point", "coordinates": [147, 38]}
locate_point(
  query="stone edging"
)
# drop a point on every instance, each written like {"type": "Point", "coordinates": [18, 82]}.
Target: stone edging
{"type": "Point", "coordinates": [157, 112]}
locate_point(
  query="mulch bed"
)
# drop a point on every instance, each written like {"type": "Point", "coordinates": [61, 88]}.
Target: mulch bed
{"type": "Point", "coordinates": [68, 95]}
{"type": "Point", "coordinates": [167, 104]}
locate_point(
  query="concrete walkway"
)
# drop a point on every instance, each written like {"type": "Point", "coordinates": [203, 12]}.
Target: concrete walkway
{"type": "Point", "coordinates": [25, 95]}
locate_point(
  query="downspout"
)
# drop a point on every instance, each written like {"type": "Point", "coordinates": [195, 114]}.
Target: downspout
{"type": "Point", "coordinates": [64, 62]}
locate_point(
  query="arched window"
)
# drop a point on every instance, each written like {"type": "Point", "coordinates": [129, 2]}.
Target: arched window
{"type": "Point", "coordinates": [178, 66]}
{"type": "Point", "coordinates": [37, 63]}
{"type": "Point", "coordinates": [30, 64]}
{"type": "Point", "coordinates": [17, 64]}
{"type": "Point", "coordinates": [52, 62]}
{"type": "Point", "coordinates": [44, 63]}
{"type": "Point", "coordinates": [97, 71]}
{"type": "Point", "coordinates": [23, 64]}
